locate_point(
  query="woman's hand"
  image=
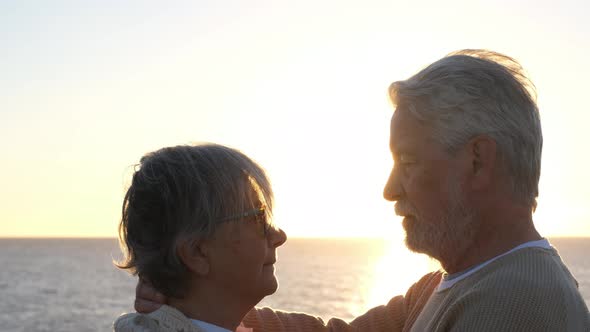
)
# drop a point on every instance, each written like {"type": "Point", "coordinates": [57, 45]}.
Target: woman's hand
{"type": "Point", "coordinates": [147, 298]}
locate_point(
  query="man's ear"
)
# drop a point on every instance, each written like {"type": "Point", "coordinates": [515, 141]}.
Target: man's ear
{"type": "Point", "coordinates": [482, 154]}
{"type": "Point", "coordinates": [195, 255]}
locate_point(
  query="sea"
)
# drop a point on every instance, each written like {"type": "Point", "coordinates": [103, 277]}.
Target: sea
{"type": "Point", "coordinates": [72, 284]}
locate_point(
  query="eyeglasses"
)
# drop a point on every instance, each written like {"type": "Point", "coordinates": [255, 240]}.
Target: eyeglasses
{"type": "Point", "coordinates": [257, 215]}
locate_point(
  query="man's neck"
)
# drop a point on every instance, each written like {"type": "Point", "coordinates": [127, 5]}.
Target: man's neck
{"type": "Point", "coordinates": [495, 237]}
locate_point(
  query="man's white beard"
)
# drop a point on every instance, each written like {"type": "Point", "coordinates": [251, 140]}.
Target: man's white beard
{"type": "Point", "coordinates": [445, 237]}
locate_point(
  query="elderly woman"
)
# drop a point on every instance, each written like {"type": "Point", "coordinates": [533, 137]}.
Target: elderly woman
{"type": "Point", "coordinates": [197, 224]}
{"type": "Point", "coordinates": [196, 228]}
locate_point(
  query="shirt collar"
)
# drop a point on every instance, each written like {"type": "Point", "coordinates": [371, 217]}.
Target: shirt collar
{"type": "Point", "coordinates": [449, 280]}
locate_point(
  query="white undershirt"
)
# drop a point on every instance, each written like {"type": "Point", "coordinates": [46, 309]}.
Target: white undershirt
{"type": "Point", "coordinates": [448, 283]}
{"type": "Point", "coordinates": [208, 327]}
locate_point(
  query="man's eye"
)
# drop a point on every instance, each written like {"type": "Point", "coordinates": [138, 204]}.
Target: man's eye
{"type": "Point", "coordinates": [406, 159]}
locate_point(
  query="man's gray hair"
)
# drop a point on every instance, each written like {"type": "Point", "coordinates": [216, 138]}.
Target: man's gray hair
{"type": "Point", "coordinates": [183, 193]}
{"type": "Point", "coordinates": [473, 92]}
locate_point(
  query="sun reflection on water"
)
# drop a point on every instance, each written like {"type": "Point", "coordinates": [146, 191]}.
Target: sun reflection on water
{"type": "Point", "coordinates": [395, 272]}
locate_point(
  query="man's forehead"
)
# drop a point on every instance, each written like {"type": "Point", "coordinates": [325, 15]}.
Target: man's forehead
{"type": "Point", "coordinates": [405, 129]}
{"type": "Point", "coordinates": [396, 113]}
{"type": "Point", "coordinates": [401, 121]}
{"type": "Point", "coordinates": [396, 130]}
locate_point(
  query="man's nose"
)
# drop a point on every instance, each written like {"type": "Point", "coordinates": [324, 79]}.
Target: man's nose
{"type": "Point", "coordinates": [393, 189]}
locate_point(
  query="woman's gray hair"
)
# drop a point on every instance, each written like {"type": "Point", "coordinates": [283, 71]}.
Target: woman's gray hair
{"type": "Point", "coordinates": [473, 92]}
{"type": "Point", "coordinates": [183, 193]}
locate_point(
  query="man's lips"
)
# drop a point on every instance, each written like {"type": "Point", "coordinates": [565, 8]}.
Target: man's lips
{"type": "Point", "coordinates": [402, 212]}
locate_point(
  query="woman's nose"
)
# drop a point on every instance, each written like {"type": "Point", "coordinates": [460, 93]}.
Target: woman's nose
{"type": "Point", "coordinates": [277, 237]}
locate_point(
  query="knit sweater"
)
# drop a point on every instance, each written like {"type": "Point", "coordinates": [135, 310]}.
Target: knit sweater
{"type": "Point", "coordinates": [528, 290]}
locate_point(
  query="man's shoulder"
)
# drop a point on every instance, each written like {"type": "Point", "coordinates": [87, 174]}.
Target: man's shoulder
{"type": "Point", "coordinates": [541, 268]}
{"type": "Point", "coordinates": [530, 277]}
{"type": "Point", "coordinates": [165, 319]}
{"type": "Point", "coordinates": [530, 289]}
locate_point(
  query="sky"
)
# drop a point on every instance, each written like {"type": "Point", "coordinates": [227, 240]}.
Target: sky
{"type": "Point", "coordinates": [88, 87]}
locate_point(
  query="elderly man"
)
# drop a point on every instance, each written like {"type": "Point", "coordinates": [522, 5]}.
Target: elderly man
{"type": "Point", "coordinates": [466, 142]}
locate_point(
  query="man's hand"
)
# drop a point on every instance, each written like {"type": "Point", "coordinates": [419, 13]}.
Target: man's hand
{"type": "Point", "coordinates": [147, 298]}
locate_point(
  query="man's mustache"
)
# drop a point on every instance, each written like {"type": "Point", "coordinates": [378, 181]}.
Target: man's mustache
{"type": "Point", "coordinates": [404, 209]}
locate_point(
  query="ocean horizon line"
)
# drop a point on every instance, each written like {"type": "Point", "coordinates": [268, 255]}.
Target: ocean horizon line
{"type": "Point", "coordinates": [33, 237]}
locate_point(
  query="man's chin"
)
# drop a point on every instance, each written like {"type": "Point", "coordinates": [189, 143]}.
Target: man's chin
{"type": "Point", "coordinates": [412, 241]}
{"type": "Point", "coordinates": [414, 245]}
{"type": "Point", "coordinates": [416, 242]}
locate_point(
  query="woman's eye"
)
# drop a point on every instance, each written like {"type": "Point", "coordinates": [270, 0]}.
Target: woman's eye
{"type": "Point", "coordinates": [262, 223]}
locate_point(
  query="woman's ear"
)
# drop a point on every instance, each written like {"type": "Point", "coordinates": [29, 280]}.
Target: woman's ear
{"type": "Point", "coordinates": [194, 254]}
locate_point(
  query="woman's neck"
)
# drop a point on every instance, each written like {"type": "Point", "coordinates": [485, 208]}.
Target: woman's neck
{"type": "Point", "coordinates": [213, 308]}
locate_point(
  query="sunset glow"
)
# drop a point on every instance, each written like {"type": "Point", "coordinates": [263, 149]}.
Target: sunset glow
{"type": "Point", "coordinates": [301, 87]}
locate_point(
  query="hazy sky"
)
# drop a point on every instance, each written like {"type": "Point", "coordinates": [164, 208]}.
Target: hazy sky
{"type": "Point", "coordinates": [88, 87]}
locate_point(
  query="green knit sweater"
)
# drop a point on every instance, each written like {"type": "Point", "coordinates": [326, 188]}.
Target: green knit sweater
{"type": "Point", "coordinates": [528, 290]}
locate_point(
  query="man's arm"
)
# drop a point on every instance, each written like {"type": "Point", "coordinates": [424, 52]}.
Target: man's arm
{"type": "Point", "coordinates": [383, 318]}
{"type": "Point", "coordinates": [147, 298]}
{"type": "Point", "coordinates": [397, 315]}
{"type": "Point", "coordinates": [386, 318]}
